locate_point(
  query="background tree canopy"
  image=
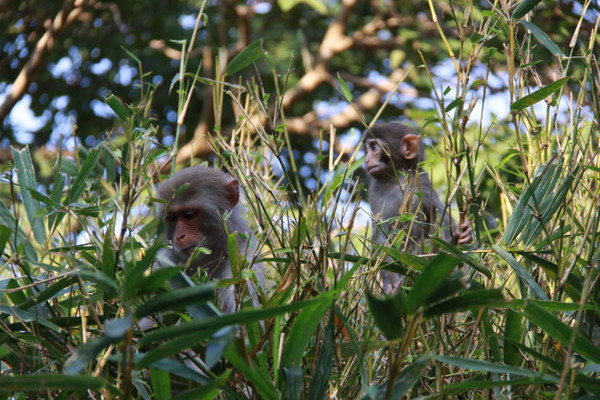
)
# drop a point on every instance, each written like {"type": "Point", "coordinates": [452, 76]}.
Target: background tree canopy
{"type": "Point", "coordinates": [98, 99]}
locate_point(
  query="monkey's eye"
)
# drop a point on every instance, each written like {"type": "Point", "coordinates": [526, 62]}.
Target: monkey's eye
{"type": "Point", "coordinates": [189, 214]}
{"type": "Point", "coordinates": [170, 217]}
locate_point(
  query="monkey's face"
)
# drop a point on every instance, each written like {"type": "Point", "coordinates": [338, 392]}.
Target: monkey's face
{"type": "Point", "coordinates": [377, 161]}
{"type": "Point", "coordinates": [184, 228]}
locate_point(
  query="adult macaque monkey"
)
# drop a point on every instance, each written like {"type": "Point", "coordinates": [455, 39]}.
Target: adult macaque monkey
{"type": "Point", "coordinates": [399, 186]}
{"type": "Point", "coordinates": [201, 208]}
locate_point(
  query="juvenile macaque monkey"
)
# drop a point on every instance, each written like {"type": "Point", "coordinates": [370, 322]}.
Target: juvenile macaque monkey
{"type": "Point", "coordinates": [399, 186]}
{"type": "Point", "coordinates": [202, 215]}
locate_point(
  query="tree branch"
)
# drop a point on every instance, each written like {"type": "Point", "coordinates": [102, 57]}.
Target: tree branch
{"type": "Point", "coordinates": [70, 12]}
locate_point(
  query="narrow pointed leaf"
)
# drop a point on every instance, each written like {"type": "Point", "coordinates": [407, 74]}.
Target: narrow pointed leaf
{"type": "Point", "coordinates": [51, 382]}
{"type": "Point", "coordinates": [524, 7]}
{"type": "Point", "coordinates": [430, 279]}
{"type": "Point", "coordinates": [250, 54]}
{"type": "Point", "coordinates": [304, 326]}
{"type": "Point", "coordinates": [523, 275]}
{"type": "Point", "coordinates": [543, 38]}
{"type": "Point", "coordinates": [345, 89]}
{"type": "Point", "coordinates": [538, 95]}
{"type": "Point", "coordinates": [27, 181]}
{"type": "Point", "coordinates": [562, 332]}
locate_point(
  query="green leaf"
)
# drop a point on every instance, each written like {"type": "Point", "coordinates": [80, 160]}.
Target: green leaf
{"type": "Point", "coordinates": [538, 95]}
{"type": "Point", "coordinates": [430, 279]}
{"type": "Point", "coordinates": [172, 347]}
{"type": "Point", "coordinates": [250, 54]}
{"type": "Point", "coordinates": [319, 382]}
{"type": "Point", "coordinates": [87, 353]}
{"type": "Point", "coordinates": [293, 382]}
{"type": "Point", "coordinates": [524, 7]}
{"type": "Point", "coordinates": [561, 332]}
{"type": "Point", "coordinates": [345, 89]}
{"type": "Point", "coordinates": [5, 233]}
{"type": "Point", "coordinates": [287, 5]}
{"type": "Point", "coordinates": [538, 204]}
{"type": "Point", "coordinates": [457, 102]}
{"type": "Point", "coordinates": [389, 314]}
{"type": "Point", "coordinates": [408, 377]}
{"type": "Point", "coordinates": [26, 316]}
{"type": "Point", "coordinates": [118, 106]}
{"type": "Point", "coordinates": [512, 330]}
{"type": "Point", "coordinates": [240, 317]}
{"type": "Point", "coordinates": [574, 284]}
{"type": "Point", "coordinates": [260, 378]}
{"type": "Point", "coordinates": [543, 38]}
{"type": "Point", "coordinates": [521, 273]}
{"type": "Point", "coordinates": [28, 182]}
{"type": "Point", "coordinates": [177, 299]}
{"type": "Point", "coordinates": [497, 368]}
{"type": "Point", "coordinates": [301, 332]}
{"type": "Point", "coordinates": [470, 300]}
{"type": "Point", "coordinates": [80, 183]}
{"type": "Point", "coordinates": [50, 292]}
{"type": "Point", "coordinates": [51, 382]}
{"type": "Point", "coordinates": [161, 384]}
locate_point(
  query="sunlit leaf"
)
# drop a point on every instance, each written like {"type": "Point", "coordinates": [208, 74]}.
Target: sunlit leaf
{"type": "Point", "coordinates": [543, 38]}
{"type": "Point", "coordinates": [538, 95]}
{"type": "Point", "coordinates": [247, 56]}
{"type": "Point", "coordinates": [344, 88]}
{"type": "Point", "coordinates": [28, 182]}
{"type": "Point", "coordinates": [287, 5]}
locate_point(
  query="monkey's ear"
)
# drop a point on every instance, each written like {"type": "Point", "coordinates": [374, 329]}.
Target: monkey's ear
{"type": "Point", "coordinates": [232, 192]}
{"type": "Point", "coordinates": [411, 146]}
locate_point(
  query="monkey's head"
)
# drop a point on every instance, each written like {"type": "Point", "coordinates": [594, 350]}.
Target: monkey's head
{"type": "Point", "coordinates": [391, 147]}
{"type": "Point", "coordinates": [196, 199]}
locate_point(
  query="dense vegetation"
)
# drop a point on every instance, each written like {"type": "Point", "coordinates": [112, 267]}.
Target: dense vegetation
{"type": "Point", "coordinates": [512, 129]}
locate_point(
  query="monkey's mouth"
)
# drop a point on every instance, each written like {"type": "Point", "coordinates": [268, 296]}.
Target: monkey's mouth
{"type": "Point", "coordinates": [374, 169]}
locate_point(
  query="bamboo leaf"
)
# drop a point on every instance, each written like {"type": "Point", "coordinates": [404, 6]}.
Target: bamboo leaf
{"type": "Point", "coordinates": [80, 182]}
{"type": "Point", "coordinates": [28, 182]}
{"type": "Point", "coordinates": [177, 299]}
{"type": "Point", "coordinates": [118, 106]}
{"type": "Point", "coordinates": [430, 279]}
{"type": "Point", "coordinates": [498, 368]}
{"type": "Point", "coordinates": [389, 314]}
{"type": "Point", "coordinates": [345, 89]}
{"type": "Point", "coordinates": [471, 300]}
{"type": "Point", "coordinates": [320, 379]}
{"type": "Point", "coordinates": [247, 56]}
{"type": "Point", "coordinates": [521, 273]}
{"type": "Point", "coordinates": [512, 330]}
{"type": "Point", "coordinates": [538, 95]}
{"type": "Point", "coordinates": [543, 38]}
{"type": "Point", "coordinates": [51, 382]}
{"type": "Point", "coordinates": [524, 7]}
{"type": "Point", "coordinates": [409, 376]}
{"type": "Point", "coordinates": [255, 374]}
{"type": "Point", "coordinates": [562, 332]}
{"type": "Point", "coordinates": [161, 384]}
{"type": "Point", "coordinates": [287, 5]}
{"type": "Point", "coordinates": [303, 327]}
{"type": "Point", "coordinates": [240, 317]}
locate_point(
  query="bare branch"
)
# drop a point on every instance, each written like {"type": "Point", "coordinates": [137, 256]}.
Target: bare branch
{"type": "Point", "coordinates": [70, 12]}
